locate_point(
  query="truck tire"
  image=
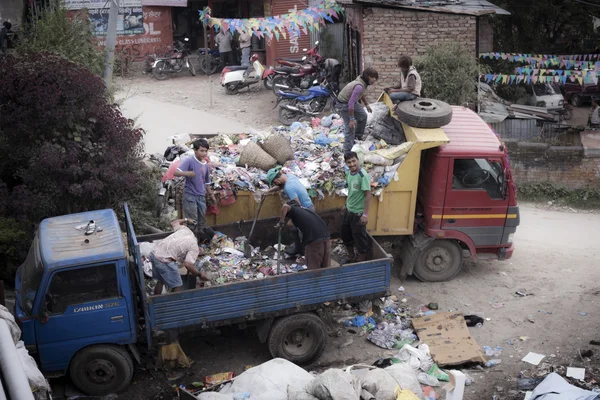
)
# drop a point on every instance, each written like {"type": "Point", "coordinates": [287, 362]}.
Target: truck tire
{"type": "Point", "coordinates": [576, 100]}
{"type": "Point", "coordinates": [424, 113]}
{"type": "Point", "coordinates": [440, 261]}
{"type": "Point", "coordinates": [101, 370]}
{"type": "Point", "coordinates": [299, 338]}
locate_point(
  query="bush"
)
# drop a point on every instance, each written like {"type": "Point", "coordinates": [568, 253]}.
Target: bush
{"type": "Point", "coordinates": [69, 37]}
{"type": "Point", "coordinates": [14, 243]}
{"type": "Point", "coordinates": [450, 73]}
{"type": "Point", "coordinates": [65, 148]}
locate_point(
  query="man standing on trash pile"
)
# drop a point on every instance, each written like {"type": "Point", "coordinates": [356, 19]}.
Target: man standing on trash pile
{"type": "Point", "coordinates": [355, 214]}
{"type": "Point", "coordinates": [197, 185]}
{"type": "Point", "coordinates": [349, 108]}
{"type": "Point", "coordinates": [180, 246]}
{"type": "Point", "coordinates": [315, 235]}
{"type": "Point", "coordinates": [410, 82]}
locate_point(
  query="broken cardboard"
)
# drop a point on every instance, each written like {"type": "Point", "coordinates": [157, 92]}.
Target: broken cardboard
{"type": "Point", "coordinates": [449, 339]}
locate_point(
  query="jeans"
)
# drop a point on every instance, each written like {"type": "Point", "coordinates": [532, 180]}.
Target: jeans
{"type": "Point", "coordinates": [361, 122]}
{"type": "Point", "coordinates": [354, 233]}
{"type": "Point", "coordinates": [167, 273]}
{"type": "Point", "coordinates": [245, 56]}
{"type": "Point", "coordinates": [194, 207]}
{"type": "Point", "coordinates": [397, 97]}
{"type": "Point", "coordinates": [227, 58]}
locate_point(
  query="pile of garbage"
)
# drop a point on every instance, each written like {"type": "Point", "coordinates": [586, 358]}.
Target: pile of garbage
{"type": "Point", "coordinates": [222, 261]}
{"type": "Point", "coordinates": [317, 154]}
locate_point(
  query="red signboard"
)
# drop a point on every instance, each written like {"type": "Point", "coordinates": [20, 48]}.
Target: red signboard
{"type": "Point", "coordinates": [157, 36]}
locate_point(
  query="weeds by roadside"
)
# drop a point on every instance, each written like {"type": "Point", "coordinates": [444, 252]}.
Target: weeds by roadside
{"type": "Point", "coordinates": [588, 198]}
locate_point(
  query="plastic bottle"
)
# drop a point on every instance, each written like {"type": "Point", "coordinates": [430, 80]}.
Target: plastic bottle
{"type": "Point", "coordinates": [492, 363]}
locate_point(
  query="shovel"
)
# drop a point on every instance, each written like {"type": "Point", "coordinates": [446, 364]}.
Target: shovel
{"type": "Point", "coordinates": [247, 246]}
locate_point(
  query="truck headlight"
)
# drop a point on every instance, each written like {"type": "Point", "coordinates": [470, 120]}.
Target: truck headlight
{"type": "Point", "coordinates": [561, 102]}
{"type": "Point", "coordinates": [510, 237]}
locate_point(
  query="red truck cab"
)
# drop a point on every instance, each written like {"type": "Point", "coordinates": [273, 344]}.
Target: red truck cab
{"type": "Point", "coordinates": [467, 200]}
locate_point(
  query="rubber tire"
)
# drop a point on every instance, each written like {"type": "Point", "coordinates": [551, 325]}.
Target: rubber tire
{"type": "Point", "coordinates": [410, 113]}
{"type": "Point", "coordinates": [158, 76]}
{"type": "Point", "coordinates": [278, 79]}
{"type": "Point", "coordinates": [118, 356]}
{"type": "Point", "coordinates": [287, 117]}
{"type": "Point", "coordinates": [212, 66]}
{"type": "Point", "coordinates": [283, 326]}
{"type": "Point", "coordinates": [576, 100]}
{"type": "Point", "coordinates": [268, 82]}
{"type": "Point", "coordinates": [423, 273]}
{"type": "Point", "coordinates": [568, 114]}
{"type": "Point", "coordinates": [230, 89]}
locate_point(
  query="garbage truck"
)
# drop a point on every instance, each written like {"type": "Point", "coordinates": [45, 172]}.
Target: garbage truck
{"type": "Point", "coordinates": [454, 194]}
{"type": "Point", "coordinates": [84, 311]}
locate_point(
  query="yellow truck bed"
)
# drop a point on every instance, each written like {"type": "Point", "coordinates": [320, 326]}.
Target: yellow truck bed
{"type": "Point", "coordinates": [394, 213]}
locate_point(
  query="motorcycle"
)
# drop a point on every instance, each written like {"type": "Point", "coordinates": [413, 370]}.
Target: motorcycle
{"type": "Point", "coordinates": [309, 103]}
{"type": "Point", "coordinates": [234, 78]}
{"type": "Point", "coordinates": [177, 62]}
{"type": "Point", "coordinates": [270, 73]}
{"type": "Point", "coordinates": [211, 63]}
{"type": "Point", "coordinates": [298, 76]}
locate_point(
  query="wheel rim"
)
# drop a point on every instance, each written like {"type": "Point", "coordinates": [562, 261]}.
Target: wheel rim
{"type": "Point", "coordinates": [438, 259]}
{"type": "Point", "coordinates": [425, 105]}
{"type": "Point", "coordinates": [231, 87]}
{"type": "Point", "coordinates": [299, 342]}
{"type": "Point", "coordinates": [100, 372]}
{"type": "Point", "coordinates": [288, 116]}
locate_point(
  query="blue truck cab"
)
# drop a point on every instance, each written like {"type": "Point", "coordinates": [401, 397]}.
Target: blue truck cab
{"type": "Point", "coordinates": [83, 308]}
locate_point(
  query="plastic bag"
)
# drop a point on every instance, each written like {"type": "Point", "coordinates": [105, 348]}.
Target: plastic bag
{"type": "Point", "coordinates": [406, 395]}
{"type": "Point", "coordinates": [36, 379]}
{"type": "Point", "coordinates": [394, 152]}
{"type": "Point", "coordinates": [270, 380]}
{"type": "Point", "coordinates": [428, 380]}
{"type": "Point", "coordinates": [438, 373]}
{"type": "Point", "coordinates": [380, 384]}
{"type": "Point", "coordinates": [377, 159]}
{"type": "Point", "coordinates": [295, 393]}
{"type": "Point", "coordinates": [14, 329]}
{"type": "Point", "coordinates": [335, 384]}
{"type": "Point", "coordinates": [417, 358]}
{"type": "Point", "coordinates": [406, 377]}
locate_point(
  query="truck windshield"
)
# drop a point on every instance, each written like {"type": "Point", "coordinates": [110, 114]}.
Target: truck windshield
{"type": "Point", "coordinates": [31, 276]}
{"type": "Point", "coordinates": [544, 89]}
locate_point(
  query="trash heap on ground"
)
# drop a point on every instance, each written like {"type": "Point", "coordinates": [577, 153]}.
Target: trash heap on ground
{"type": "Point", "coordinates": [311, 151]}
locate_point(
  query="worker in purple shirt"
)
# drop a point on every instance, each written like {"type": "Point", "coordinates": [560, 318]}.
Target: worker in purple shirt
{"type": "Point", "coordinates": [196, 171]}
{"type": "Point", "coordinates": [349, 108]}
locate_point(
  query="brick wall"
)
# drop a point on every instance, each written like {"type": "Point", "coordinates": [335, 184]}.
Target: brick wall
{"type": "Point", "coordinates": [388, 33]}
{"type": "Point", "coordinates": [562, 165]}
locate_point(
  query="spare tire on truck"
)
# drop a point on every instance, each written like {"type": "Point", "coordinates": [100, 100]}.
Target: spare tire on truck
{"type": "Point", "coordinates": [424, 113]}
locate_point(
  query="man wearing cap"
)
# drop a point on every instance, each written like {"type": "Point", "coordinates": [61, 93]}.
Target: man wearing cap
{"type": "Point", "coordinates": [315, 234]}
{"type": "Point", "coordinates": [291, 185]}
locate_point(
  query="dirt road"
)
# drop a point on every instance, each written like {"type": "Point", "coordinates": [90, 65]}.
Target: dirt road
{"type": "Point", "coordinates": [556, 261]}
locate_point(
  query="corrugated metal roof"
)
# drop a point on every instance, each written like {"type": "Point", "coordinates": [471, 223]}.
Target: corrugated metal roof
{"type": "Point", "coordinates": [468, 7]}
{"type": "Point", "coordinates": [63, 245]}
{"type": "Point", "coordinates": [469, 136]}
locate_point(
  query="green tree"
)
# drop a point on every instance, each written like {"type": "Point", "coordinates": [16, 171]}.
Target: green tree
{"type": "Point", "coordinates": [449, 73]}
{"type": "Point", "coordinates": [550, 26]}
{"type": "Point", "coordinates": [68, 36]}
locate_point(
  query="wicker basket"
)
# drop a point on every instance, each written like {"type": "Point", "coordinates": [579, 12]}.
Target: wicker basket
{"type": "Point", "coordinates": [279, 148]}
{"type": "Point", "coordinates": [254, 156]}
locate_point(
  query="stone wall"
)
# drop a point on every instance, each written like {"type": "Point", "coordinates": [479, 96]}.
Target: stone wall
{"type": "Point", "coordinates": [388, 33]}
{"type": "Point", "coordinates": [561, 165]}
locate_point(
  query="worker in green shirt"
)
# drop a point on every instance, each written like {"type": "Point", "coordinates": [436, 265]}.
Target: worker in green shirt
{"type": "Point", "coordinates": [355, 214]}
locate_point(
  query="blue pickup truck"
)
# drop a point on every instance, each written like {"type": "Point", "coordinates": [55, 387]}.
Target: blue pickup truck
{"type": "Point", "coordinates": [84, 311]}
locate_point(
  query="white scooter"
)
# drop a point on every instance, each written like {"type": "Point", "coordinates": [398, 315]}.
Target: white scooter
{"type": "Point", "coordinates": [236, 77]}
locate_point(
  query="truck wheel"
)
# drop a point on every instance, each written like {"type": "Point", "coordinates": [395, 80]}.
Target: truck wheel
{"type": "Point", "coordinates": [438, 262]}
{"type": "Point", "coordinates": [576, 100]}
{"type": "Point", "coordinates": [101, 370]}
{"type": "Point", "coordinates": [299, 338]}
{"type": "Point", "coordinates": [424, 113]}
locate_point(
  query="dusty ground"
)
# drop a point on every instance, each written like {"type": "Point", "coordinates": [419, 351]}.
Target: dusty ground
{"type": "Point", "coordinates": [556, 260]}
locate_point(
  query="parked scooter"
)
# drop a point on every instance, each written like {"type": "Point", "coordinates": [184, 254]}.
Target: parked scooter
{"type": "Point", "coordinates": [296, 104]}
{"type": "Point", "coordinates": [234, 78]}
{"type": "Point", "coordinates": [179, 61]}
{"type": "Point", "coordinates": [211, 63]}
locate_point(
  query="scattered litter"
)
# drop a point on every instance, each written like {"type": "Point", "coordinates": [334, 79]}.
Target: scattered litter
{"type": "Point", "coordinates": [530, 319]}
{"type": "Point", "coordinates": [497, 305]}
{"type": "Point", "coordinates": [528, 383]}
{"type": "Point", "coordinates": [455, 390]}
{"type": "Point", "coordinates": [576, 373]}
{"type": "Point", "coordinates": [495, 352]}
{"type": "Point", "coordinates": [433, 306]}
{"type": "Point", "coordinates": [430, 393]}
{"type": "Point", "coordinates": [359, 321]}
{"type": "Point", "coordinates": [217, 379]}
{"type": "Point", "coordinates": [555, 387]}
{"type": "Point", "coordinates": [401, 289]}
{"type": "Point", "coordinates": [533, 358]}
{"type": "Point", "coordinates": [583, 314]}
{"type": "Point", "coordinates": [595, 342]}
{"type": "Point", "coordinates": [492, 363]}
{"type": "Point", "coordinates": [523, 338]}
{"type": "Point", "coordinates": [473, 321]}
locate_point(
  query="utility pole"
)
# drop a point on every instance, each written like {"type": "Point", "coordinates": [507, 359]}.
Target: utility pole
{"type": "Point", "coordinates": [111, 41]}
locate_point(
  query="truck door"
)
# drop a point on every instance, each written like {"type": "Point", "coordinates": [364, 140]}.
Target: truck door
{"type": "Point", "coordinates": [84, 306]}
{"type": "Point", "coordinates": [476, 203]}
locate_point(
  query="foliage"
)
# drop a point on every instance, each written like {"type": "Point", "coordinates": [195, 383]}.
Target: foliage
{"type": "Point", "coordinates": [65, 148]}
{"type": "Point", "coordinates": [546, 191]}
{"type": "Point", "coordinates": [511, 93]}
{"type": "Point", "coordinates": [69, 37]}
{"type": "Point", "coordinates": [551, 26]}
{"type": "Point", "coordinates": [449, 73]}
{"type": "Point", "coordinates": [14, 241]}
